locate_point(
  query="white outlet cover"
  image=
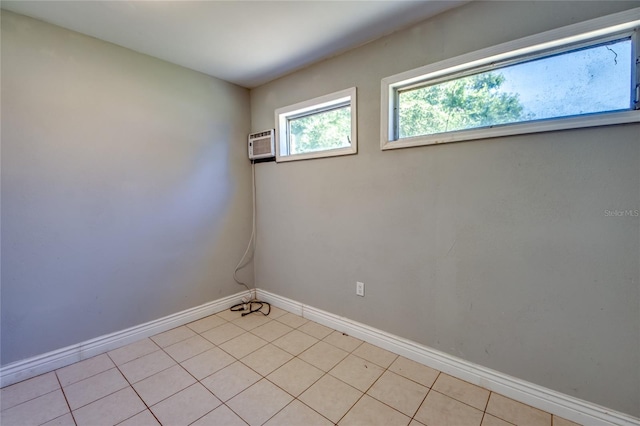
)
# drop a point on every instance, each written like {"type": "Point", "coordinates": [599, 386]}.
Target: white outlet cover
{"type": "Point", "coordinates": [360, 288]}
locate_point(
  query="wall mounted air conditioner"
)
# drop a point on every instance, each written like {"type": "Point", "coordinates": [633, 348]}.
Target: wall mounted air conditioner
{"type": "Point", "coordinates": [261, 145]}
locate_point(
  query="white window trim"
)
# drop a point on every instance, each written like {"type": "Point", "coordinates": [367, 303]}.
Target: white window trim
{"type": "Point", "coordinates": [575, 33]}
{"type": "Point", "coordinates": [282, 114]}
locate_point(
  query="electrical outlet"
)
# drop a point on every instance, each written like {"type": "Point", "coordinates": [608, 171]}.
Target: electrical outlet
{"type": "Point", "coordinates": [360, 289]}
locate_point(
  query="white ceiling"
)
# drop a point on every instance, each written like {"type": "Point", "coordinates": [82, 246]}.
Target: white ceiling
{"type": "Point", "coordinates": [245, 42]}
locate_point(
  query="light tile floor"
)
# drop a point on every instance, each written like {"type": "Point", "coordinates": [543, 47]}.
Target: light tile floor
{"type": "Point", "coordinates": [274, 370]}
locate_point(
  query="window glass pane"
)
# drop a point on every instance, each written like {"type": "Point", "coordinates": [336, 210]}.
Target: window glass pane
{"type": "Point", "coordinates": [589, 80]}
{"type": "Point", "coordinates": [321, 131]}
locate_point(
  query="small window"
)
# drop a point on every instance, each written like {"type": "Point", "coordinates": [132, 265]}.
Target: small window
{"type": "Point", "coordinates": [560, 81]}
{"type": "Point", "coordinates": [320, 127]}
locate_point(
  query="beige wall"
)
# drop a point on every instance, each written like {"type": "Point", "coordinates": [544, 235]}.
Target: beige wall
{"type": "Point", "coordinates": [496, 251]}
{"type": "Point", "coordinates": [126, 189]}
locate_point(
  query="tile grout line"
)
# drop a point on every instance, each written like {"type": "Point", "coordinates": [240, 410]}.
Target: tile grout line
{"type": "Point", "coordinates": [280, 410]}
{"type": "Point", "coordinates": [462, 402]}
{"type": "Point", "coordinates": [294, 356]}
{"type": "Point", "coordinates": [29, 400]}
{"type": "Point", "coordinates": [484, 412]}
{"type": "Point", "coordinates": [109, 394]}
{"type": "Point", "coordinates": [136, 392]}
{"type": "Point", "coordinates": [131, 385]}
{"type": "Point", "coordinates": [84, 378]}
{"type": "Point", "coordinates": [229, 399]}
{"type": "Point", "coordinates": [366, 392]}
{"type": "Point", "coordinates": [176, 364]}
{"type": "Point", "coordinates": [328, 373]}
{"type": "Point", "coordinates": [412, 417]}
{"type": "Point", "coordinates": [423, 400]}
{"type": "Point", "coordinates": [265, 377]}
{"type": "Point", "coordinates": [262, 377]}
{"type": "Point", "coordinates": [373, 384]}
{"type": "Point", "coordinates": [145, 378]}
{"type": "Point", "coordinates": [448, 396]}
{"type": "Point", "coordinates": [486, 405]}
{"type": "Point", "coordinates": [132, 343]}
{"type": "Point", "coordinates": [232, 410]}
{"type": "Point", "coordinates": [115, 366]}
{"type": "Point", "coordinates": [518, 402]}
{"type": "Point", "coordinates": [193, 356]}
{"type": "Point", "coordinates": [295, 398]}
{"type": "Point", "coordinates": [174, 343]}
{"type": "Point", "coordinates": [268, 342]}
{"type": "Point", "coordinates": [208, 412]}
{"type": "Point", "coordinates": [429, 389]}
{"type": "Point", "coordinates": [65, 398]}
{"type": "Point", "coordinates": [196, 380]}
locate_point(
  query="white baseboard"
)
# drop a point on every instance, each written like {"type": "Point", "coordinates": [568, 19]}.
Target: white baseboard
{"type": "Point", "coordinates": [554, 402]}
{"type": "Point", "coordinates": [34, 366]}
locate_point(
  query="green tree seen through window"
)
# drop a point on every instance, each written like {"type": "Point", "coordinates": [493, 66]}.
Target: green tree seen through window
{"type": "Point", "coordinates": [468, 102]}
{"type": "Point", "coordinates": [321, 131]}
{"type": "Point", "coordinates": [463, 103]}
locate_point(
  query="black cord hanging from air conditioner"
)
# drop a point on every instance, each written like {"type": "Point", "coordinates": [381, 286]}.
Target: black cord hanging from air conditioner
{"type": "Point", "coordinates": [248, 304]}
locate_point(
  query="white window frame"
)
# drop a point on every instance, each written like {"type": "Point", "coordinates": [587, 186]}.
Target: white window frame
{"type": "Point", "coordinates": [312, 106]}
{"type": "Point", "coordinates": [552, 40]}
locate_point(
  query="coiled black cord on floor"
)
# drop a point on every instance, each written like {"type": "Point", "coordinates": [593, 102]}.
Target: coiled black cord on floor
{"type": "Point", "coordinates": [249, 307]}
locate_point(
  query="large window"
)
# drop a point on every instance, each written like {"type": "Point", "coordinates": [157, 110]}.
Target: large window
{"type": "Point", "coordinates": [320, 127]}
{"type": "Point", "coordinates": [578, 76]}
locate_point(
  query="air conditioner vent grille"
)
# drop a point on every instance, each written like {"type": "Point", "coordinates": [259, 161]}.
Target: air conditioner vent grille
{"type": "Point", "coordinates": [261, 145]}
